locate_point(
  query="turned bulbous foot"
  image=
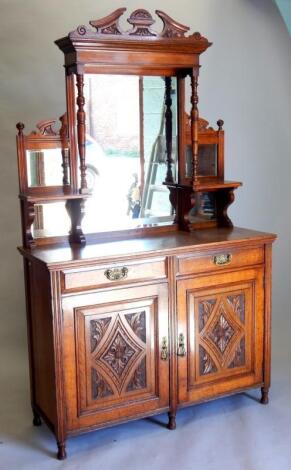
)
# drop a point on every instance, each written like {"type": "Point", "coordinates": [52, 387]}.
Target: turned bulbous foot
{"type": "Point", "coordinates": [172, 421]}
{"type": "Point", "coordinates": [265, 396]}
{"type": "Point", "coordinates": [36, 419]}
{"type": "Point", "coordinates": [62, 454]}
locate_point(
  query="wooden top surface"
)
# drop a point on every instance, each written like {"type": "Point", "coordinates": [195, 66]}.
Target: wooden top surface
{"type": "Point", "coordinates": [173, 242]}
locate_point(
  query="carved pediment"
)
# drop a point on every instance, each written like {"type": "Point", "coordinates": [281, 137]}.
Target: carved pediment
{"type": "Point", "coordinates": [47, 129]}
{"type": "Point", "coordinates": [141, 22]}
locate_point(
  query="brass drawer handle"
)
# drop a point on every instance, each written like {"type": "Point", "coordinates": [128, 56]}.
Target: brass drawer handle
{"type": "Point", "coordinates": [164, 349]}
{"type": "Point", "coordinates": [223, 259]}
{"type": "Point", "coordinates": [115, 274]}
{"type": "Point", "coordinates": [181, 347]}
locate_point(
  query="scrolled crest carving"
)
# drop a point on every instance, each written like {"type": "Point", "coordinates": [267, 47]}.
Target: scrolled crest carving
{"type": "Point", "coordinates": [141, 21]}
{"type": "Point", "coordinates": [46, 127]}
{"type": "Point", "coordinates": [109, 24]}
{"type": "Point", "coordinates": [82, 30]}
{"type": "Point", "coordinates": [172, 29]}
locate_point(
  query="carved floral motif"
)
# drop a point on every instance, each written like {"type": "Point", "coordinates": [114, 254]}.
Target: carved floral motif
{"type": "Point", "coordinates": [138, 380]}
{"type": "Point", "coordinates": [100, 387]}
{"type": "Point", "coordinates": [118, 354]}
{"type": "Point", "coordinates": [239, 355]}
{"type": "Point", "coordinates": [221, 333]}
{"type": "Point", "coordinates": [137, 321]}
{"type": "Point", "coordinates": [207, 366]}
{"type": "Point", "coordinates": [98, 329]}
{"type": "Point", "coordinates": [205, 309]}
{"type": "Point", "coordinates": [237, 302]}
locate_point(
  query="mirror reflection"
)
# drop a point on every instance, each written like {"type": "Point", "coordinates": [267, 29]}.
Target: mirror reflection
{"type": "Point", "coordinates": [204, 207]}
{"type": "Point", "coordinates": [44, 167]}
{"type": "Point", "coordinates": [126, 151]}
{"type": "Point", "coordinates": [207, 160]}
{"type": "Point", "coordinates": [45, 220]}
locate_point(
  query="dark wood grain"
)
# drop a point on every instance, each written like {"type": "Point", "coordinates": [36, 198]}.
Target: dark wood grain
{"type": "Point", "coordinates": [144, 321]}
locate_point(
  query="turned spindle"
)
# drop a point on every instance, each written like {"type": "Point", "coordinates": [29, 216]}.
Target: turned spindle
{"type": "Point", "coordinates": [194, 124]}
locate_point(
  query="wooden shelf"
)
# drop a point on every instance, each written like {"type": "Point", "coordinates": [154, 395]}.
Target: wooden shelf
{"type": "Point", "coordinates": [38, 196]}
{"type": "Point", "coordinates": [208, 185]}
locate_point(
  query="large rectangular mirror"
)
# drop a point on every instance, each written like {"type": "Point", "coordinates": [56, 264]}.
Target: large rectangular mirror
{"type": "Point", "coordinates": [126, 150]}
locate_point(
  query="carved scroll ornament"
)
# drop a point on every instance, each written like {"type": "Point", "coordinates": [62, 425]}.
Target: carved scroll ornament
{"type": "Point", "coordinates": [141, 22]}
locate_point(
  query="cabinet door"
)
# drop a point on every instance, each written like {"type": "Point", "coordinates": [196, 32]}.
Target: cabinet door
{"type": "Point", "coordinates": [115, 361]}
{"type": "Point", "coordinates": [221, 319]}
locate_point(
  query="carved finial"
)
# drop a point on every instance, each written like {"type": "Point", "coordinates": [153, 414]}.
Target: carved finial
{"type": "Point", "coordinates": [220, 123]}
{"type": "Point", "coordinates": [172, 29]}
{"type": "Point", "coordinates": [141, 20]}
{"type": "Point", "coordinates": [109, 24]}
{"type": "Point", "coordinates": [45, 127]}
{"type": "Point", "coordinates": [20, 126]}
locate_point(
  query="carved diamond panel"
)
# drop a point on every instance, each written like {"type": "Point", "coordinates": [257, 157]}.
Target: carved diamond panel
{"type": "Point", "coordinates": [221, 333]}
{"type": "Point", "coordinates": [118, 354]}
{"type": "Point", "coordinates": [221, 338]}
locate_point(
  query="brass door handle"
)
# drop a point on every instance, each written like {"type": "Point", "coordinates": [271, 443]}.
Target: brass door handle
{"type": "Point", "coordinates": [181, 346]}
{"type": "Point", "coordinates": [164, 349]}
{"type": "Point", "coordinates": [115, 274]}
{"type": "Point", "coordinates": [221, 260]}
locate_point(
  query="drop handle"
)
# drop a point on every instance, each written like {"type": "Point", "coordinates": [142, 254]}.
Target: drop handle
{"type": "Point", "coordinates": [222, 259]}
{"type": "Point", "coordinates": [181, 346]}
{"type": "Point", "coordinates": [164, 349]}
{"type": "Point", "coordinates": [115, 274]}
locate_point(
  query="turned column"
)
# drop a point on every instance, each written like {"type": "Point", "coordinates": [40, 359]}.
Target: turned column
{"type": "Point", "coordinates": [81, 131]}
{"type": "Point", "coordinates": [169, 128]}
{"type": "Point", "coordinates": [65, 150]}
{"type": "Point", "coordinates": [194, 124]}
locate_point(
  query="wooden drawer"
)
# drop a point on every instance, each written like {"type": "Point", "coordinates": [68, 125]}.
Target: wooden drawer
{"type": "Point", "coordinates": [219, 259]}
{"type": "Point", "coordinates": [111, 274]}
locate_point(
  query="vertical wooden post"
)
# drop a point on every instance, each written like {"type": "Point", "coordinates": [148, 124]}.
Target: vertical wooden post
{"type": "Point", "coordinates": [21, 158]}
{"type": "Point", "coordinates": [71, 118]}
{"type": "Point", "coordinates": [81, 129]}
{"type": "Point", "coordinates": [194, 124]}
{"type": "Point", "coordinates": [169, 128]}
{"type": "Point", "coordinates": [267, 325]}
{"type": "Point", "coordinates": [65, 150]}
{"type": "Point", "coordinates": [141, 136]}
